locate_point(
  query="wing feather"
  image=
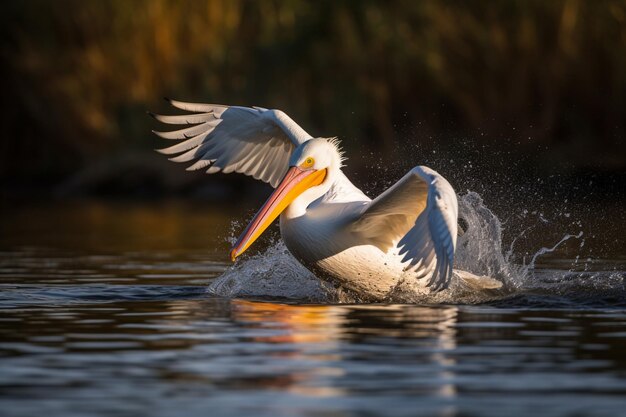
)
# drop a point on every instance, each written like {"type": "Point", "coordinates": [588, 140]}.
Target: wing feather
{"type": "Point", "coordinates": [184, 145]}
{"type": "Point", "coordinates": [196, 107]}
{"type": "Point", "coordinates": [188, 132]}
{"type": "Point", "coordinates": [253, 141]}
{"type": "Point", "coordinates": [185, 119]}
{"type": "Point", "coordinates": [418, 216]}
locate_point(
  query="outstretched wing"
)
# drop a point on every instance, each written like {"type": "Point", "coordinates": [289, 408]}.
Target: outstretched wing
{"type": "Point", "coordinates": [253, 141]}
{"type": "Point", "coordinates": [418, 214]}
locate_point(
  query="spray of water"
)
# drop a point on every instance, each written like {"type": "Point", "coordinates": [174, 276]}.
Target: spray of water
{"type": "Point", "coordinates": [275, 273]}
{"type": "Point", "coordinates": [545, 250]}
{"type": "Point", "coordinates": [479, 249]}
{"type": "Point", "coordinates": [272, 273]}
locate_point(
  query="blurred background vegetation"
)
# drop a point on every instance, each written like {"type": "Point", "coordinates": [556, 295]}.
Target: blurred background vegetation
{"type": "Point", "coordinates": [532, 80]}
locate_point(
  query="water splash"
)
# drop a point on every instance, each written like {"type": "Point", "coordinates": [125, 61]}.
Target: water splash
{"type": "Point", "coordinates": [479, 249]}
{"type": "Point", "coordinates": [276, 273]}
{"type": "Point", "coordinates": [545, 250]}
{"type": "Point", "coordinates": [272, 273]}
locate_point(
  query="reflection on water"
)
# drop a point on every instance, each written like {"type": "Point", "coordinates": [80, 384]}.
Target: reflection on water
{"type": "Point", "coordinates": [236, 357]}
{"type": "Point", "coordinates": [104, 312]}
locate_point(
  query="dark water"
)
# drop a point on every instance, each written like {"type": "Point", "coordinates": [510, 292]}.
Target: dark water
{"type": "Point", "coordinates": [104, 311]}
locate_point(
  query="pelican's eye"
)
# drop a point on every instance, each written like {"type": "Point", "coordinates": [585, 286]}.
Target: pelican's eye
{"type": "Point", "coordinates": [308, 163]}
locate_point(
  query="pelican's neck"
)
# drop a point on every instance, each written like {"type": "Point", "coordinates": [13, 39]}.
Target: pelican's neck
{"type": "Point", "coordinates": [299, 206]}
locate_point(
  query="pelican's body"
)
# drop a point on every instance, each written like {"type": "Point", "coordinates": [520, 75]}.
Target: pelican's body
{"type": "Point", "coordinates": [362, 269]}
{"type": "Point", "coordinates": [365, 246]}
{"type": "Point", "coordinates": [322, 241]}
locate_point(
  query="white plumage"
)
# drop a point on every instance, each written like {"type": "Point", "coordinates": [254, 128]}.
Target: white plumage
{"type": "Point", "coordinates": [251, 141]}
{"type": "Point", "coordinates": [332, 227]}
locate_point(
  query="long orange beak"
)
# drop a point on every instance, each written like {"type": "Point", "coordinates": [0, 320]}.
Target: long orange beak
{"type": "Point", "coordinates": [295, 182]}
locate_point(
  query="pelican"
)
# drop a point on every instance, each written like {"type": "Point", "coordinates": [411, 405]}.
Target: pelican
{"type": "Point", "coordinates": [330, 226]}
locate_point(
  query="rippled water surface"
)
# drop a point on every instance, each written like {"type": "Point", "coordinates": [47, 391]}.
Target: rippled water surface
{"type": "Point", "coordinates": [105, 310]}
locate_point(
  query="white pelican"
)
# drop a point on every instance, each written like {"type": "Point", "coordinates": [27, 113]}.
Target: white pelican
{"type": "Point", "coordinates": [365, 246]}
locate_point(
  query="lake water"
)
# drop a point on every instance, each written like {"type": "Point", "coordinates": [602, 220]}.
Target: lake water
{"type": "Point", "coordinates": [105, 310]}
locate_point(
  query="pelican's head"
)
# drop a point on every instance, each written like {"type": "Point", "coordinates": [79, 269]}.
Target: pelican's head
{"type": "Point", "coordinates": [312, 169]}
{"type": "Point", "coordinates": [319, 153]}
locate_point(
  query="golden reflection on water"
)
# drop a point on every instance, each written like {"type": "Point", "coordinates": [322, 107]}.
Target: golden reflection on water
{"type": "Point", "coordinates": [301, 324]}
{"type": "Point", "coordinates": [325, 323]}
{"type": "Point", "coordinates": [331, 325]}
